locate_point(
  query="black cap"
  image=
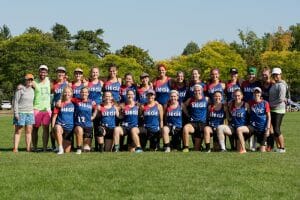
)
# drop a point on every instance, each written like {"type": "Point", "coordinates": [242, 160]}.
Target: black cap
{"type": "Point", "coordinates": [234, 71]}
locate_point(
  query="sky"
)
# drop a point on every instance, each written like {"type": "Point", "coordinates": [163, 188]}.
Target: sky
{"type": "Point", "coordinates": [163, 27]}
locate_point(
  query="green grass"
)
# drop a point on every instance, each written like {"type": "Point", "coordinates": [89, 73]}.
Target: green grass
{"type": "Point", "coordinates": [151, 175]}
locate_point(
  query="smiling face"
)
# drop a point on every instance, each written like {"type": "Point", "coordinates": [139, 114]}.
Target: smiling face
{"type": "Point", "coordinates": [130, 95]}
{"type": "Point", "coordinates": [67, 93]}
{"type": "Point", "coordinates": [113, 72]}
{"type": "Point", "coordinates": [217, 97]}
{"type": "Point", "coordinates": [180, 77]}
{"type": "Point", "coordinates": [162, 71]}
{"type": "Point", "coordinates": [107, 97]}
{"type": "Point", "coordinates": [238, 96]}
{"type": "Point", "coordinates": [214, 75]}
{"type": "Point", "coordinates": [128, 80]}
{"type": "Point", "coordinates": [60, 74]}
{"type": "Point", "coordinates": [78, 75]}
{"type": "Point", "coordinates": [43, 73]}
{"type": "Point", "coordinates": [195, 75]}
{"type": "Point", "coordinates": [94, 73]}
{"type": "Point", "coordinates": [174, 97]}
{"type": "Point", "coordinates": [84, 93]}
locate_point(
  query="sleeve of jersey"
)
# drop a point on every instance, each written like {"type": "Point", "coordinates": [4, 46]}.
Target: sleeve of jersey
{"type": "Point", "coordinates": [267, 107]}
{"type": "Point", "coordinates": [56, 110]}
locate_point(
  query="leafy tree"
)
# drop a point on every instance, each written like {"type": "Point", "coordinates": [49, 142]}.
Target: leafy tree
{"type": "Point", "coordinates": [191, 48]}
{"type": "Point", "coordinates": [4, 33]}
{"type": "Point", "coordinates": [61, 34]}
{"type": "Point", "coordinates": [33, 30]}
{"type": "Point", "coordinates": [278, 41]}
{"type": "Point", "coordinates": [295, 31]}
{"type": "Point", "coordinates": [91, 41]}
{"type": "Point", "coordinates": [141, 56]}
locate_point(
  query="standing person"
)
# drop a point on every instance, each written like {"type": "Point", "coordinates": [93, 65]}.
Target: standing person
{"type": "Point", "coordinates": [108, 113]}
{"type": "Point", "coordinates": [78, 83]}
{"type": "Point", "coordinates": [95, 94]}
{"type": "Point", "coordinates": [113, 83]}
{"type": "Point", "coordinates": [63, 121]}
{"type": "Point", "coordinates": [129, 114]}
{"type": "Point", "coordinates": [181, 86]}
{"type": "Point", "coordinates": [57, 87]}
{"type": "Point", "coordinates": [173, 119]}
{"type": "Point", "coordinates": [143, 88]}
{"type": "Point", "coordinates": [152, 113]}
{"type": "Point", "coordinates": [232, 85]}
{"type": "Point", "coordinates": [277, 98]}
{"type": "Point", "coordinates": [195, 79]}
{"type": "Point", "coordinates": [162, 85]}
{"type": "Point", "coordinates": [85, 112]}
{"type": "Point", "coordinates": [195, 108]}
{"type": "Point", "coordinates": [260, 118]}
{"type": "Point", "coordinates": [216, 117]}
{"type": "Point", "coordinates": [248, 85]}
{"type": "Point", "coordinates": [214, 85]}
{"type": "Point", "coordinates": [23, 113]}
{"type": "Point", "coordinates": [42, 107]}
{"type": "Point", "coordinates": [128, 85]}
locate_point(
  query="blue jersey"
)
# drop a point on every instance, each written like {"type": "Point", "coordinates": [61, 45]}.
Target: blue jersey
{"type": "Point", "coordinates": [182, 91]}
{"type": "Point", "coordinates": [174, 116]}
{"type": "Point", "coordinates": [238, 116]}
{"type": "Point", "coordinates": [229, 90]}
{"type": "Point", "coordinates": [198, 110]}
{"type": "Point", "coordinates": [131, 116]}
{"type": "Point", "coordinates": [76, 90]}
{"type": "Point", "coordinates": [258, 114]}
{"type": "Point", "coordinates": [65, 115]}
{"type": "Point", "coordinates": [95, 92]}
{"type": "Point", "coordinates": [123, 91]}
{"type": "Point", "coordinates": [142, 95]}
{"type": "Point", "coordinates": [83, 113]}
{"type": "Point", "coordinates": [212, 88]}
{"type": "Point", "coordinates": [108, 116]}
{"type": "Point", "coordinates": [190, 91]}
{"type": "Point", "coordinates": [247, 88]}
{"type": "Point", "coordinates": [216, 117]}
{"type": "Point", "coordinates": [114, 88]}
{"type": "Point", "coordinates": [57, 90]}
{"type": "Point", "coordinates": [151, 117]}
{"type": "Point", "coordinates": [162, 90]}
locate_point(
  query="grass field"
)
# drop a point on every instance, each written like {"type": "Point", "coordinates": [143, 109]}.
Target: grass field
{"type": "Point", "coordinates": [151, 175]}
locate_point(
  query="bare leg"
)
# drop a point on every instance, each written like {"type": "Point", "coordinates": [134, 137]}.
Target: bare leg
{"type": "Point", "coordinates": [17, 136]}
{"type": "Point", "coordinates": [28, 131]}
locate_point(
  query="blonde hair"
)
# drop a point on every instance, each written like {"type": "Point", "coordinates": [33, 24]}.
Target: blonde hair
{"type": "Point", "coordinates": [63, 96]}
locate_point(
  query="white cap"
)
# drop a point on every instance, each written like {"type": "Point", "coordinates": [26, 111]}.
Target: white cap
{"type": "Point", "coordinates": [276, 70]}
{"type": "Point", "coordinates": [257, 89]}
{"type": "Point", "coordinates": [43, 67]}
{"type": "Point", "coordinates": [61, 69]}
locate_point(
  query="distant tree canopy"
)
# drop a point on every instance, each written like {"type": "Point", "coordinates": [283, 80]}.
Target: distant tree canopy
{"type": "Point", "coordinates": [24, 53]}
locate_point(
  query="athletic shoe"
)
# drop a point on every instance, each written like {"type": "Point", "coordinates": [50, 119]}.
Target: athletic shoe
{"type": "Point", "coordinates": [78, 151]}
{"type": "Point", "coordinates": [138, 150]}
{"type": "Point", "coordinates": [167, 149]}
{"type": "Point", "coordinates": [207, 150]}
{"type": "Point", "coordinates": [223, 150]}
{"type": "Point", "coordinates": [60, 152]}
{"type": "Point", "coordinates": [252, 149]}
{"type": "Point", "coordinates": [185, 150]}
{"type": "Point", "coordinates": [56, 149]}
{"type": "Point", "coordinates": [242, 151]}
{"type": "Point", "coordinates": [280, 150]}
{"type": "Point", "coordinates": [86, 149]}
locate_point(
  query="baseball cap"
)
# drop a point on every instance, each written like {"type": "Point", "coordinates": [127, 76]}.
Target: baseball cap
{"type": "Point", "coordinates": [233, 71]}
{"type": "Point", "coordinates": [78, 70]}
{"type": "Point", "coordinates": [276, 70]}
{"type": "Point", "coordinates": [29, 76]}
{"type": "Point", "coordinates": [252, 70]}
{"type": "Point", "coordinates": [61, 69]}
{"type": "Point", "coordinates": [150, 91]}
{"type": "Point", "coordinates": [43, 67]}
{"type": "Point", "coordinates": [143, 75]}
{"type": "Point", "coordinates": [257, 89]}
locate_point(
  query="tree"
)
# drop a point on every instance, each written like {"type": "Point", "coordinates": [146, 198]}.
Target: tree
{"type": "Point", "coordinates": [61, 34]}
{"type": "Point", "coordinates": [141, 56]}
{"type": "Point", "coordinates": [278, 41]}
{"type": "Point", "coordinates": [190, 48]}
{"type": "Point", "coordinates": [91, 41]}
{"type": "Point", "coordinates": [295, 31]}
{"type": "Point", "coordinates": [4, 33]}
{"type": "Point", "coordinates": [250, 47]}
{"type": "Point", "coordinates": [33, 30]}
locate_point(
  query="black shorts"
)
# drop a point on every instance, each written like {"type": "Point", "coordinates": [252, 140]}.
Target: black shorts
{"type": "Point", "coordinates": [67, 135]}
{"type": "Point", "coordinates": [174, 131]}
{"type": "Point", "coordinates": [199, 129]}
{"type": "Point", "coordinates": [107, 132]}
{"type": "Point", "coordinates": [276, 120]}
{"type": "Point", "coordinates": [87, 132]}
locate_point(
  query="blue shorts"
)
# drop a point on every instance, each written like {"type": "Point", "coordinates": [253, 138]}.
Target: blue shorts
{"type": "Point", "coordinates": [24, 119]}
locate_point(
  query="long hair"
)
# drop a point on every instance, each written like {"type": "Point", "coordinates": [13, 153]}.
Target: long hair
{"type": "Point", "coordinates": [63, 97]}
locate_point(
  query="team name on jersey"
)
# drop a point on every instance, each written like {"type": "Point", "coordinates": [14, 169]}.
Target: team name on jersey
{"type": "Point", "coordinates": [182, 93]}
{"type": "Point", "coordinates": [67, 109]}
{"type": "Point", "coordinates": [85, 105]}
{"type": "Point", "coordinates": [198, 104]}
{"type": "Point", "coordinates": [258, 110]}
{"type": "Point", "coordinates": [151, 113]}
{"type": "Point", "coordinates": [58, 90]}
{"type": "Point", "coordinates": [76, 91]}
{"type": "Point", "coordinates": [95, 89]}
{"type": "Point", "coordinates": [248, 89]}
{"type": "Point", "coordinates": [112, 88]}
{"type": "Point", "coordinates": [108, 113]}
{"type": "Point", "coordinates": [216, 115]}
{"type": "Point", "coordinates": [174, 114]}
{"type": "Point", "coordinates": [237, 114]}
{"type": "Point", "coordinates": [162, 89]}
{"type": "Point", "coordinates": [131, 112]}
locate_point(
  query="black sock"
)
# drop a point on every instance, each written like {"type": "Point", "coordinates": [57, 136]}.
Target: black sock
{"type": "Point", "coordinates": [78, 147]}
{"type": "Point", "coordinates": [101, 148]}
{"type": "Point", "coordinates": [185, 147]}
{"type": "Point", "coordinates": [207, 146]}
{"type": "Point", "coordinates": [167, 145]}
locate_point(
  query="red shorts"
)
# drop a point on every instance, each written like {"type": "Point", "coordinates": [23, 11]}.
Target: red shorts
{"type": "Point", "coordinates": [42, 118]}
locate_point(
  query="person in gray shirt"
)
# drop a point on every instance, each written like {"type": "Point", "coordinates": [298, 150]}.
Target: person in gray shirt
{"type": "Point", "coordinates": [23, 112]}
{"type": "Point", "coordinates": [277, 100]}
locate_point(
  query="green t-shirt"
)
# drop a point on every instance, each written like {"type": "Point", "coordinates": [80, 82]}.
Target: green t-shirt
{"type": "Point", "coordinates": [42, 95]}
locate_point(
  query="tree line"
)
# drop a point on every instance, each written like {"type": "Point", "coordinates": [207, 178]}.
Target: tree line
{"type": "Point", "coordinates": [24, 53]}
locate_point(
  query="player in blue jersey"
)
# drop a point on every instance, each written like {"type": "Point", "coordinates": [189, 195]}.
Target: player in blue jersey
{"type": "Point", "coordinates": [238, 111]}
{"type": "Point", "coordinates": [173, 122]}
{"type": "Point", "coordinates": [232, 85]}
{"type": "Point", "coordinates": [108, 112]}
{"type": "Point", "coordinates": [195, 79]}
{"type": "Point", "coordinates": [128, 85]}
{"type": "Point", "coordinates": [129, 114]}
{"type": "Point", "coordinates": [214, 84]}
{"type": "Point", "coordinates": [152, 113]}
{"type": "Point", "coordinates": [143, 88]}
{"type": "Point", "coordinates": [196, 110]}
{"type": "Point", "coordinates": [216, 117]}
{"type": "Point", "coordinates": [113, 83]}
{"type": "Point", "coordinates": [85, 112]}
{"type": "Point", "coordinates": [181, 86]}
{"type": "Point", "coordinates": [260, 119]}
{"type": "Point", "coordinates": [63, 121]}
{"type": "Point", "coordinates": [78, 83]}
{"type": "Point", "coordinates": [248, 85]}
{"type": "Point", "coordinates": [162, 85]}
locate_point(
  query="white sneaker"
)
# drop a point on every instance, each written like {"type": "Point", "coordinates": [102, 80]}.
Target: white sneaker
{"type": "Point", "coordinates": [280, 150]}
{"type": "Point", "coordinates": [168, 150]}
{"type": "Point", "coordinates": [60, 152]}
{"type": "Point", "coordinates": [86, 148]}
{"type": "Point", "coordinates": [78, 151]}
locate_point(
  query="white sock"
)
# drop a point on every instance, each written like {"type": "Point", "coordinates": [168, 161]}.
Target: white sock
{"type": "Point", "coordinates": [222, 144]}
